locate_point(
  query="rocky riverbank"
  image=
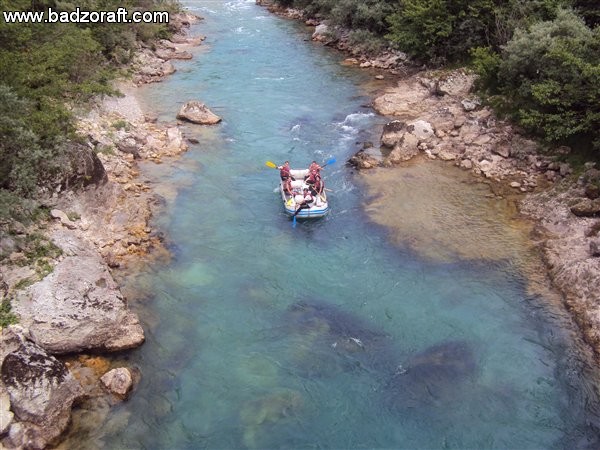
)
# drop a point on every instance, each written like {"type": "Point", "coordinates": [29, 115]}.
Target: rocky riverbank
{"type": "Point", "coordinates": [437, 115]}
{"type": "Point", "coordinates": [58, 274]}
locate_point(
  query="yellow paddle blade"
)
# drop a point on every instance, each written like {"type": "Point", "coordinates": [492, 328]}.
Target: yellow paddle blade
{"type": "Point", "coordinates": [270, 164]}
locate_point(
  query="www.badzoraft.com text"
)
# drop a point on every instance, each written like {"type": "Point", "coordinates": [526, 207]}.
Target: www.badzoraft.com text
{"type": "Point", "coordinates": [121, 15]}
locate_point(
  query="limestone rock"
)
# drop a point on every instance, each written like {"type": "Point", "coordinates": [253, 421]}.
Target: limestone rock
{"type": "Point", "coordinates": [175, 142]}
{"type": "Point", "coordinates": [466, 164]}
{"type": "Point", "coordinates": [171, 53]}
{"type": "Point", "coordinates": [502, 150]}
{"type": "Point", "coordinates": [197, 112]}
{"type": "Point", "coordinates": [118, 381]}
{"type": "Point", "coordinates": [470, 104]}
{"type": "Point", "coordinates": [6, 415]}
{"type": "Point", "coordinates": [404, 150]}
{"type": "Point", "coordinates": [129, 145]}
{"type": "Point", "coordinates": [364, 160]}
{"type": "Point", "coordinates": [64, 219]}
{"type": "Point", "coordinates": [421, 129]}
{"type": "Point", "coordinates": [591, 180]}
{"type": "Point", "coordinates": [6, 418]}
{"type": "Point", "coordinates": [167, 68]}
{"type": "Point", "coordinates": [41, 391]}
{"type": "Point", "coordinates": [587, 208]}
{"type": "Point", "coordinates": [592, 191]}
{"type": "Point", "coordinates": [87, 168]}
{"type": "Point", "coordinates": [78, 307]}
{"type": "Point", "coordinates": [321, 33]}
{"type": "Point", "coordinates": [392, 133]}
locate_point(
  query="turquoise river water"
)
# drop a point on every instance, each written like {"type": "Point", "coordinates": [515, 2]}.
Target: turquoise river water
{"type": "Point", "coordinates": [327, 335]}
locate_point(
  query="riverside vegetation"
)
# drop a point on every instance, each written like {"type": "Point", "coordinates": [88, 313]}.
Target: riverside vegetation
{"type": "Point", "coordinates": [47, 71]}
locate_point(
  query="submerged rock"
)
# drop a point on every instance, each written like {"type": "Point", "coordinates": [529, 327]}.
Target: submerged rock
{"type": "Point", "coordinates": [118, 381]}
{"type": "Point", "coordinates": [305, 316]}
{"type": "Point", "coordinates": [432, 377]}
{"type": "Point", "coordinates": [329, 340]}
{"type": "Point", "coordinates": [275, 408]}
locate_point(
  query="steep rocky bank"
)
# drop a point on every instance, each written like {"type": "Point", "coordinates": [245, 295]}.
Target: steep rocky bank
{"type": "Point", "coordinates": [58, 275]}
{"type": "Point", "coordinates": [438, 115]}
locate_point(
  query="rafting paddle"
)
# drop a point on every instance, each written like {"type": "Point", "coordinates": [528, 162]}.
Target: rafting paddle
{"type": "Point", "coordinates": [329, 161]}
{"type": "Point", "coordinates": [270, 164]}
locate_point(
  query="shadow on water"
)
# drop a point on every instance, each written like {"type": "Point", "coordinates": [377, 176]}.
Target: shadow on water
{"type": "Point", "coordinates": [434, 377]}
{"type": "Point", "coordinates": [327, 340]}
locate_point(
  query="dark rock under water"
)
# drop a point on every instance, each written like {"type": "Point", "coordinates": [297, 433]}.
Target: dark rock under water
{"type": "Point", "coordinates": [433, 377]}
{"type": "Point", "coordinates": [329, 340]}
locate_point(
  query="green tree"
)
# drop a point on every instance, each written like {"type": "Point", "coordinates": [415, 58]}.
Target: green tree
{"type": "Point", "coordinates": [440, 30]}
{"type": "Point", "coordinates": [44, 69]}
{"type": "Point", "coordinates": [549, 74]}
{"type": "Point", "coordinates": [446, 30]}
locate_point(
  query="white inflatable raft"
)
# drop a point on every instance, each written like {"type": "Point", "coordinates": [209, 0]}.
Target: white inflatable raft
{"type": "Point", "coordinates": [291, 203]}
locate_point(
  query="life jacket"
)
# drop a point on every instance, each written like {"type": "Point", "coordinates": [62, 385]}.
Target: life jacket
{"type": "Point", "coordinates": [284, 172]}
{"type": "Point", "coordinates": [313, 177]}
{"type": "Point", "coordinates": [318, 184]}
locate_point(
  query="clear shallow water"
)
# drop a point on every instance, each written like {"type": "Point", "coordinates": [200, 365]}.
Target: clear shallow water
{"type": "Point", "coordinates": [323, 336]}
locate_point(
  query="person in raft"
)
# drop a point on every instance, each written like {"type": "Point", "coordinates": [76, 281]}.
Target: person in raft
{"type": "Point", "coordinates": [315, 183]}
{"type": "Point", "coordinates": [287, 186]}
{"type": "Point", "coordinates": [306, 202]}
{"type": "Point", "coordinates": [284, 171]}
{"type": "Point", "coordinates": [313, 169]}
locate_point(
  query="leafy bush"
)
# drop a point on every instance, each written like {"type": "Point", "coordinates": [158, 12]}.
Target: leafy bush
{"type": "Point", "coordinates": [6, 316]}
{"type": "Point", "coordinates": [46, 68]}
{"type": "Point", "coordinates": [367, 41]}
{"type": "Point", "coordinates": [550, 74]}
{"type": "Point", "coordinates": [446, 30]}
{"type": "Point", "coordinates": [24, 210]}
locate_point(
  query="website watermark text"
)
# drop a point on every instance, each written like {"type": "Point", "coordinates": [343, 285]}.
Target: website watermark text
{"type": "Point", "coordinates": [121, 15]}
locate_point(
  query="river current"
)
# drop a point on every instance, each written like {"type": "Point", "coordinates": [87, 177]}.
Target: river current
{"type": "Point", "coordinates": [330, 334]}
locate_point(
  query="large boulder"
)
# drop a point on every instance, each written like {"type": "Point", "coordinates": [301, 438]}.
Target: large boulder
{"type": "Point", "coordinates": [197, 112]}
{"type": "Point", "coordinates": [587, 208]}
{"type": "Point", "coordinates": [421, 129]}
{"type": "Point", "coordinates": [86, 168]}
{"type": "Point", "coordinates": [392, 133]}
{"type": "Point", "coordinates": [78, 307]}
{"type": "Point", "coordinates": [41, 391]}
{"type": "Point", "coordinates": [118, 381]}
{"type": "Point", "coordinates": [363, 159]}
{"type": "Point", "coordinates": [405, 150]}
{"type": "Point", "coordinates": [595, 247]}
{"type": "Point", "coordinates": [321, 33]}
